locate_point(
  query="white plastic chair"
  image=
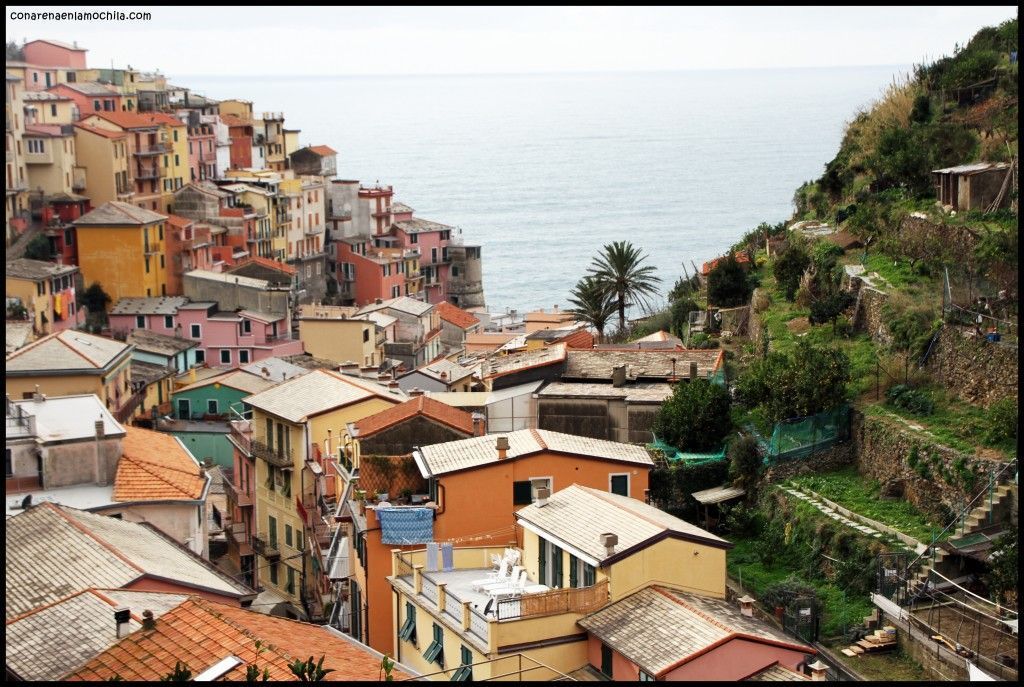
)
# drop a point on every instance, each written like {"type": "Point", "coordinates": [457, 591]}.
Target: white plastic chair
{"type": "Point", "coordinates": [514, 588]}
{"type": "Point", "coordinates": [504, 582]}
{"type": "Point", "coordinates": [502, 576]}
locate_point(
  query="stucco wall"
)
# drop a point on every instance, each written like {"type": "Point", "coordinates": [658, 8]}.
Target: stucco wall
{"type": "Point", "coordinates": [75, 463]}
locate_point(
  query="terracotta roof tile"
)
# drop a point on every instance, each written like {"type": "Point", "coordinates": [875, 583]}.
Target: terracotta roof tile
{"type": "Point", "coordinates": [126, 120]}
{"type": "Point", "coordinates": [421, 405]}
{"type": "Point", "coordinates": [176, 221]}
{"type": "Point", "coordinates": [199, 634]}
{"type": "Point", "coordinates": [581, 338]}
{"type": "Point", "coordinates": [155, 466]}
{"type": "Point", "coordinates": [456, 315]}
{"type": "Point", "coordinates": [265, 262]}
{"type": "Point", "coordinates": [101, 132]}
{"type": "Point", "coordinates": [323, 150]}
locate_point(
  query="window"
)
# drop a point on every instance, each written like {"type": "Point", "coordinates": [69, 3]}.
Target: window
{"type": "Point", "coordinates": [465, 671]}
{"type": "Point", "coordinates": [606, 660]}
{"type": "Point", "coordinates": [9, 464]}
{"type": "Point", "coordinates": [161, 261]}
{"type": "Point", "coordinates": [522, 492]}
{"type": "Point", "coordinates": [211, 406]}
{"type": "Point", "coordinates": [69, 237]}
{"type": "Point", "coordinates": [589, 575]}
{"type": "Point", "coordinates": [243, 357]}
{"type": "Point", "coordinates": [273, 573]}
{"type": "Point", "coordinates": [361, 548]}
{"type": "Point", "coordinates": [225, 356]}
{"type": "Point", "coordinates": [408, 631]}
{"type": "Point", "coordinates": [195, 331]}
{"type": "Point", "coordinates": [176, 161]}
{"type": "Point", "coordinates": [288, 535]}
{"type": "Point", "coordinates": [366, 334]}
{"type": "Point", "coordinates": [200, 356]}
{"type": "Point", "coordinates": [298, 541]}
{"type": "Point", "coordinates": [435, 652]}
{"type": "Point", "coordinates": [414, 238]}
{"type": "Point", "coordinates": [96, 105]}
{"type": "Point", "coordinates": [140, 321]}
{"type": "Point", "coordinates": [644, 677]}
{"type": "Point", "coordinates": [396, 291]}
{"type": "Point", "coordinates": [174, 133]}
{"type": "Point", "coordinates": [168, 322]}
{"type": "Point", "coordinates": [246, 326]}
{"type": "Point", "coordinates": [272, 521]}
{"type": "Point", "coordinates": [619, 484]}
{"type": "Point", "coordinates": [160, 231]}
{"type": "Point", "coordinates": [290, 588]}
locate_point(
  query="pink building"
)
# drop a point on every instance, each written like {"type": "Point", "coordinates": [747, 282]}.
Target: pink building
{"type": "Point", "coordinates": [188, 246]}
{"type": "Point", "coordinates": [432, 239]}
{"type": "Point", "coordinates": [227, 339]}
{"type": "Point", "coordinates": [366, 273]}
{"type": "Point", "coordinates": [202, 152]}
{"type": "Point", "coordinates": [49, 53]}
{"type": "Point", "coordinates": [91, 97]}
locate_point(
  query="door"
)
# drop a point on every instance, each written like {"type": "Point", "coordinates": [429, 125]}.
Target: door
{"type": "Point", "coordinates": [184, 409]}
{"type": "Point", "coordinates": [606, 660]}
{"type": "Point", "coordinates": [620, 485]}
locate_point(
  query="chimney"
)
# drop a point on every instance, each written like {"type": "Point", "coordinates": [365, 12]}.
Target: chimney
{"type": "Point", "coordinates": [327, 447]}
{"type": "Point", "coordinates": [99, 428]}
{"type": "Point", "coordinates": [415, 391]}
{"type": "Point", "coordinates": [36, 396]}
{"type": "Point", "coordinates": [818, 671]}
{"type": "Point", "coordinates": [444, 376]}
{"type": "Point", "coordinates": [479, 424]}
{"type": "Point", "coordinates": [377, 301]}
{"type": "Point", "coordinates": [693, 370]}
{"type": "Point", "coordinates": [542, 497]}
{"type": "Point", "coordinates": [121, 617]}
{"type": "Point", "coordinates": [393, 385]}
{"type": "Point", "coordinates": [746, 605]}
{"type": "Point", "coordinates": [100, 472]}
{"type": "Point", "coordinates": [265, 373]}
{"type": "Point", "coordinates": [618, 375]}
{"type": "Point", "coordinates": [148, 622]}
{"type": "Point", "coordinates": [502, 446]}
{"type": "Point", "coordinates": [608, 541]}
{"type": "Point", "coordinates": [349, 367]}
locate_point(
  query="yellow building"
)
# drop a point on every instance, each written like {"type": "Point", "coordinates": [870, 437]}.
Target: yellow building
{"type": "Point", "coordinates": [332, 332]}
{"type": "Point", "coordinates": [271, 124]}
{"type": "Point", "coordinates": [50, 159]}
{"type": "Point", "coordinates": [290, 423]}
{"type": "Point", "coordinates": [46, 291]}
{"type": "Point", "coordinates": [43, 107]}
{"type": "Point", "coordinates": [104, 157]}
{"type": "Point", "coordinates": [291, 142]}
{"type": "Point", "coordinates": [580, 549]}
{"type": "Point", "coordinates": [122, 247]}
{"type": "Point", "coordinates": [237, 108]}
{"type": "Point", "coordinates": [262, 203]}
{"type": "Point", "coordinates": [72, 362]}
{"type": "Point", "coordinates": [175, 161]}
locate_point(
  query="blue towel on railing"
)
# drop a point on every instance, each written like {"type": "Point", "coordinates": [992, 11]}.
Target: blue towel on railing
{"type": "Point", "coordinates": [406, 525]}
{"type": "Point", "coordinates": [447, 557]}
{"type": "Point", "coordinates": [432, 556]}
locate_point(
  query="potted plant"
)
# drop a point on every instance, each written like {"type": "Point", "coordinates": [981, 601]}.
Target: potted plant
{"type": "Point", "coordinates": [407, 495]}
{"type": "Point", "coordinates": [360, 499]}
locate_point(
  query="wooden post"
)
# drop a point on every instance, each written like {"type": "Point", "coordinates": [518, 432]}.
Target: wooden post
{"type": "Point", "coordinates": [417, 578]}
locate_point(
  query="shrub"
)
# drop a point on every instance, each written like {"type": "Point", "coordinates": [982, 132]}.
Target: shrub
{"type": "Point", "coordinates": [728, 285]}
{"type": "Point", "coordinates": [789, 267]}
{"type": "Point", "coordinates": [1001, 422]}
{"type": "Point", "coordinates": [696, 417]}
{"type": "Point", "coordinates": [680, 312]}
{"type": "Point", "coordinates": [38, 248]}
{"type": "Point", "coordinates": [745, 462]}
{"type": "Point", "coordinates": [803, 382]}
{"type": "Point", "coordinates": [915, 401]}
{"type": "Point", "coordinates": [702, 340]}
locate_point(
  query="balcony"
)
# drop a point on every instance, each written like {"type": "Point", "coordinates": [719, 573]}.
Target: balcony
{"type": "Point", "coordinates": [78, 179]}
{"type": "Point", "coordinates": [278, 457]}
{"type": "Point", "coordinates": [151, 173]}
{"type": "Point", "coordinates": [127, 409]}
{"type": "Point", "coordinates": [265, 548]}
{"type": "Point", "coordinates": [236, 496]}
{"type": "Point", "coordinates": [155, 149]}
{"type": "Point", "coordinates": [236, 536]}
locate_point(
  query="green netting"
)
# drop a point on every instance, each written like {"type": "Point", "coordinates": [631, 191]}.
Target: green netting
{"type": "Point", "coordinates": [800, 437]}
{"type": "Point", "coordinates": [674, 455]}
{"type": "Point", "coordinates": [718, 377]}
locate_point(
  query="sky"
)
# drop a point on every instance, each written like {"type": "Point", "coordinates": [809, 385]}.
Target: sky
{"type": "Point", "coordinates": [253, 40]}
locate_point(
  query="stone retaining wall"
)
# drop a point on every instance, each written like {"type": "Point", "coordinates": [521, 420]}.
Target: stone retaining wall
{"type": "Point", "coordinates": [974, 369]}
{"type": "Point", "coordinates": [867, 314]}
{"type": "Point", "coordinates": [826, 460]}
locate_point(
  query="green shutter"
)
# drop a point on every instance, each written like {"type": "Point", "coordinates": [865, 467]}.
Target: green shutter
{"type": "Point", "coordinates": [620, 485]}
{"type": "Point", "coordinates": [589, 575]}
{"type": "Point", "coordinates": [574, 578]}
{"type": "Point", "coordinates": [522, 493]}
{"type": "Point", "coordinates": [556, 567]}
{"type": "Point", "coordinates": [542, 566]}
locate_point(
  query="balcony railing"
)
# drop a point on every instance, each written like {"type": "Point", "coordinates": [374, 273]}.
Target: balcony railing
{"type": "Point", "coordinates": [129, 406]}
{"type": "Point", "coordinates": [264, 547]}
{"type": "Point", "coordinates": [236, 535]}
{"type": "Point", "coordinates": [281, 458]}
{"type": "Point", "coordinates": [236, 496]}
{"type": "Point", "coordinates": [151, 173]}
{"type": "Point", "coordinates": [155, 149]}
{"type": "Point", "coordinates": [19, 423]}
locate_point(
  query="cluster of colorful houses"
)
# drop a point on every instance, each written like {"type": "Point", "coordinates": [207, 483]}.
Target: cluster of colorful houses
{"type": "Point", "coordinates": [299, 425]}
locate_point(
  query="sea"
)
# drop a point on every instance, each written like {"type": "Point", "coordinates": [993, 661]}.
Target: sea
{"type": "Point", "coordinates": [542, 170]}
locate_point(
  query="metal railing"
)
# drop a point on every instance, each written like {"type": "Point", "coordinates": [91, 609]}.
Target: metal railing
{"type": "Point", "coordinates": [279, 457]}
{"type": "Point", "coordinates": [236, 495]}
{"type": "Point", "coordinates": [264, 547]}
{"type": "Point", "coordinates": [19, 423]}
{"type": "Point", "coordinates": [154, 149]}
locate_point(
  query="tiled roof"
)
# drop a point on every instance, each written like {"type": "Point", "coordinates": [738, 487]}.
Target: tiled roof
{"type": "Point", "coordinates": [200, 634]}
{"type": "Point", "coordinates": [417, 225]}
{"type": "Point", "coordinates": [451, 371]}
{"type": "Point", "coordinates": [276, 369]}
{"type": "Point", "coordinates": [456, 315]}
{"type": "Point", "coordinates": [265, 262]}
{"type": "Point", "coordinates": [241, 379]}
{"type": "Point", "coordinates": [469, 453]}
{"type": "Point", "coordinates": [176, 221]}
{"type": "Point", "coordinates": [44, 96]}
{"type": "Point", "coordinates": [166, 305]}
{"type": "Point", "coordinates": [151, 342]}
{"type": "Point", "coordinates": [581, 338]}
{"type": "Point", "coordinates": [17, 335]}
{"type": "Point", "coordinates": [632, 393]}
{"type": "Point", "coordinates": [419, 406]}
{"type": "Point", "coordinates": [501, 365]}
{"type": "Point", "coordinates": [598, 364]}
{"type": "Point", "coordinates": [59, 44]}
{"type": "Point", "coordinates": [310, 394]}
{"type": "Point", "coordinates": [579, 515]}
{"type": "Point", "coordinates": [117, 213]}
{"type": "Point", "coordinates": [66, 350]}
{"type": "Point", "coordinates": [660, 629]}
{"type": "Point", "coordinates": [92, 88]}
{"type": "Point", "coordinates": [706, 268]}
{"type": "Point", "coordinates": [155, 466]}
{"type": "Point", "coordinates": [403, 304]}
{"type": "Point", "coordinates": [661, 335]}
{"type": "Point", "coordinates": [234, 120]}
{"type": "Point", "coordinates": [125, 120]}
{"type": "Point", "coordinates": [163, 118]}
{"type": "Point", "coordinates": [53, 551]}
{"type": "Point", "coordinates": [37, 270]}
{"type": "Point", "coordinates": [323, 151]}
{"type": "Point", "coordinates": [51, 640]}
{"type": "Point", "coordinates": [48, 130]}
{"type": "Point", "coordinates": [67, 418]}
{"type": "Point", "coordinates": [225, 278]}
{"type": "Point", "coordinates": [101, 132]}
{"type": "Point", "coordinates": [397, 207]}
{"type": "Point", "coordinates": [148, 373]}
{"type": "Point", "coordinates": [778, 673]}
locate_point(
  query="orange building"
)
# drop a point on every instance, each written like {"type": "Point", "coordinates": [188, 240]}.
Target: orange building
{"type": "Point", "coordinates": [476, 486]}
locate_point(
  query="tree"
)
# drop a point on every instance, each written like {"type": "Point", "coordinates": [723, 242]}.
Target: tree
{"type": "Point", "coordinates": [307, 671]}
{"type": "Point", "coordinates": [1003, 566]}
{"type": "Point", "coordinates": [680, 314]}
{"type": "Point", "coordinates": [621, 276]}
{"type": "Point", "coordinates": [789, 267]}
{"type": "Point", "coordinates": [38, 248]}
{"type": "Point", "coordinates": [806, 381]}
{"type": "Point", "coordinates": [745, 462]}
{"type": "Point", "coordinates": [829, 307]}
{"type": "Point", "coordinates": [181, 673]}
{"type": "Point", "coordinates": [14, 52]}
{"type": "Point", "coordinates": [95, 299]}
{"type": "Point", "coordinates": [592, 304]}
{"type": "Point", "coordinates": [696, 417]}
{"type": "Point", "coordinates": [728, 285]}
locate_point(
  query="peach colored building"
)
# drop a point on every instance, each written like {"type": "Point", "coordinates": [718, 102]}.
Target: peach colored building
{"type": "Point", "coordinates": [51, 53]}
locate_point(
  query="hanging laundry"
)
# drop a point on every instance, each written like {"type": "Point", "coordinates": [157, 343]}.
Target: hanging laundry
{"type": "Point", "coordinates": [406, 525]}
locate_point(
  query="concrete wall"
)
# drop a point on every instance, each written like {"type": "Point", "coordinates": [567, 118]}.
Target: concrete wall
{"type": "Point", "coordinates": [234, 296]}
{"type": "Point", "coordinates": [75, 463]}
{"type": "Point", "coordinates": [972, 368]}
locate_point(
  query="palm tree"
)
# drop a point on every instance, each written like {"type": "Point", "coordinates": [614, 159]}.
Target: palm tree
{"type": "Point", "coordinates": [591, 304]}
{"type": "Point", "coordinates": [620, 275]}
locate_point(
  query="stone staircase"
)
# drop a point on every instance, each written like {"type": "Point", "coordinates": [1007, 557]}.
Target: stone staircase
{"type": "Point", "coordinates": [1004, 498]}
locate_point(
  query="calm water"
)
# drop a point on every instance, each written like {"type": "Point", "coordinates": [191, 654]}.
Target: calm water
{"type": "Point", "coordinates": [542, 170]}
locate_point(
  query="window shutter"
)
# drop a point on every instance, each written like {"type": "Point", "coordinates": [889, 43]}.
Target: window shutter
{"type": "Point", "coordinates": [556, 567]}
{"type": "Point", "coordinates": [522, 493]}
{"type": "Point", "coordinates": [574, 577]}
{"type": "Point", "coordinates": [542, 561]}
